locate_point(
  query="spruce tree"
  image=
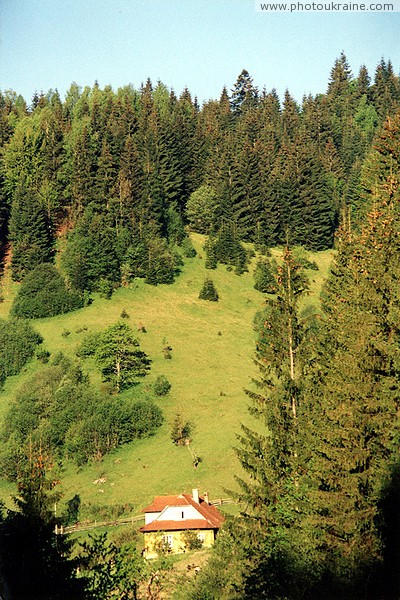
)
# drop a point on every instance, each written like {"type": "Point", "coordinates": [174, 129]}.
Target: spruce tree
{"type": "Point", "coordinates": [274, 455]}
{"type": "Point", "coordinates": [29, 234]}
{"type": "Point", "coordinates": [36, 563]}
{"type": "Point", "coordinates": [208, 291]}
{"type": "Point", "coordinates": [244, 93]}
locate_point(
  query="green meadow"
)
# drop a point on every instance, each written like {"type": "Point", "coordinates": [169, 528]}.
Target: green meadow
{"type": "Point", "coordinates": [212, 363]}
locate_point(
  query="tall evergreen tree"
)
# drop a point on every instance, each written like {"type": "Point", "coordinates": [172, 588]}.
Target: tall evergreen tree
{"type": "Point", "coordinates": [244, 93]}
{"type": "Point", "coordinates": [29, 234]}
{"type": "Point", "coordinates": [36, 563]}
{"type": "Point", "coordinates": [273, 455]}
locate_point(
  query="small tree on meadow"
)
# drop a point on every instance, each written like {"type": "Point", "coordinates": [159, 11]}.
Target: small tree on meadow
{"type": "Point", "coordinates": [118, 355]}
{"type": "Point", "coordinates": [181, 430]}
{"type": "Point", "coordinates": [208, 291]}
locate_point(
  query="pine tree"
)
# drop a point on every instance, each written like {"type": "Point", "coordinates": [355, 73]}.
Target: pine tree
{"type": "Point", "coordinates": [29, 234]}
{"type": "Point", "coordinates": [91, 252]}
{"type": "Point", "coordinates": [355, 386]}
{"type": "Point", "coordinates": [273, 455]}
{"type": "Point", "coordinates": [208, 291]}
{"type": "Point", "coordinates": [36, 563]}
{"type": "Point", "coordinates": [244, 93]}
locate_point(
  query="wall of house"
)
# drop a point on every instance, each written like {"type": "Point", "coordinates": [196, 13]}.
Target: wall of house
{"type": "Point", "coordinates": [175, 539]}
{"type": "Point", "coordinates": [174, 513]}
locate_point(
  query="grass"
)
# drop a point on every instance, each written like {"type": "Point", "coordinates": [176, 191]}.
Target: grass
{"type": "Point", "coordinates": [212, 351]}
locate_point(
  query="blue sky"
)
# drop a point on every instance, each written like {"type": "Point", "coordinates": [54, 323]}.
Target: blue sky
{"type": "Point", "coordinates": [201, 44]}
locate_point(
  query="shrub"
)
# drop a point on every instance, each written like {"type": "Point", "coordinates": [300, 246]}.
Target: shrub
{"type": "Point", "coordinates": [167, 349]}
{"type": "Point", "coordinates": [43, 293]}
{"type": "Point", "coordinates": [59, 410]}
{"type": "Point", "coordinates": [191, 540]}
{"type": "Point", "coordinates": [18, 341]}
{"type": "Point", "coordinates": [208, 291]}
{"type": "Point", "coordinates": [105, 287]}
{"type": "Point", "coordinates": [161, 386]}
{"type": "Point", "coordinates": [43, 356]}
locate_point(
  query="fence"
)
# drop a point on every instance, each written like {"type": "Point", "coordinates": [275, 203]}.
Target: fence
{"type": "Point", "coordinates": [85, 526]}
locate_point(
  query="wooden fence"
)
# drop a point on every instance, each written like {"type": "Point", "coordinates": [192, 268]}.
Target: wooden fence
{"type": "Point", "coordinates": [86, 526]}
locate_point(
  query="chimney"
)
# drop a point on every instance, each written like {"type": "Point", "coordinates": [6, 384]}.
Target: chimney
{"type": "Point", "coordinates": [195, 495]}
{"type": "Point", "coordinates": [206, 500]}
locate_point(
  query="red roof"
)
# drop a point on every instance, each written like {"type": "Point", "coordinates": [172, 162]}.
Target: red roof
{"type": "Point", "coordinates": [161, 502]}
{"type": "Point", "coordinates": [212, 518]}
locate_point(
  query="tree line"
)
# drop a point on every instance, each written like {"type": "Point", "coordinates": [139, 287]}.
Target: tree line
{"type": "Point", "coordinates": [122, 172]}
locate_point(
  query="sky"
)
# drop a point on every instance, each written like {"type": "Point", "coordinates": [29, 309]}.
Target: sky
{"type": "Point", "coordinates": [201, 44]}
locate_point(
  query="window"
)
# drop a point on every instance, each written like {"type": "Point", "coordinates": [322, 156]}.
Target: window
{"type": "Point", "coordinates": [201, 537]}
{"type": "Point", "coordinates": [183, 515]}
{"type": "Point", "coordinates": [167, 540]}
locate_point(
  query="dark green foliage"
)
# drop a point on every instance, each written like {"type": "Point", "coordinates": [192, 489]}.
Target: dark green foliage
{"type": "Point", "coordinates": [244, 94]}
{"type": "Point", "coordinates": [43, 293]}
{"type": "Point", "coordinates": [111, 570]}
{"type": "Point", "coordinates": [111, 424]}
{"type": "Point", "coordinates": [191, 540]}
{"type": "Point", "coordinates": [72, 514]}
{"type": "Point", "coordinates": [161, 386]}
{"type": "Point", "coordinates": [161, 265]}
{"type": "Point", "coordinates": [105, 287]}
{"type": "Point", "coordinates": [188, 250]}
{"type": "Point", "coordinates": [210, 248]}
{"type": "Point", "coordinates": [18, 341]}
{"type": "Point", "coordinates": [118, 356]}
{"type": "Point", "coordinates": [202, 209]}
{"type": "Point", "coordinates": [265, 277]}
{"type": "Point", "coordinates": [62, 412]}
{"type": "Point", "coordinates": [35, 563]}
{"type": "Point", "coordinates": [226, 248]}
{"type": "Point", "coordinates": [43, 356]}
{"type": "Point", "coordinates": [29, 233]}
{"type": "Point", "coordinates": [91, 255]}
{"type": "Point", "coordinates": [208, 291]}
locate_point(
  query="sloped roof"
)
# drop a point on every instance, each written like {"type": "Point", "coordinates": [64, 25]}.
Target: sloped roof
{"type": "Point", "coordinates": [177, 525]}
{"type": "Point", "coordinates": [211, 517]}
{"type": "Point", "coordinates": [161, 502]}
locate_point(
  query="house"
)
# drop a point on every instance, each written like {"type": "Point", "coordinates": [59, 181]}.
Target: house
{"type": "Point", "coordinates": [169, 518]}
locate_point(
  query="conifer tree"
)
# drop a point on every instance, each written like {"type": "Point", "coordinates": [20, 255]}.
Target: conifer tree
{"type": "Point", "coordinates": [208, 291]}
{"type": "Point", "coordinates": [244, 93]}
{"type": "Point", "coordinates": [36, 563]}
{"type": "Point", "coordinates": [29, 234]}
{"type": "Point", "coordinates": [273, 455]}
{"type": "Point", "coordinates": [354, 406]}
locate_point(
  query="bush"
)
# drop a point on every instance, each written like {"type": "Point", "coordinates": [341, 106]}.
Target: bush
{"type": "Point", "coordinates": [43, 356]}
{"type": "Point", "coordinates": [18, 341]}
{"type": "Point", "coordinates": [105, 287]}
{"type": "Point", "coordinates": [43, 293]}
{"type": "Point", "coordinates": [191, 540]}
{"type": "Point", "coordinates": [161, 386]}
{"type": "Point", "coordinates": [208, 291]}
{"type": "Point", "coordinates": [59, 410]}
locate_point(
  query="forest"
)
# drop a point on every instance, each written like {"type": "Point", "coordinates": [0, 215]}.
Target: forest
{"type": "Point", "coordinates": [106, 188]}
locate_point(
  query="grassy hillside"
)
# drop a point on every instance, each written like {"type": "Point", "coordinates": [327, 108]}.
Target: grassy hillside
{"type": "Point", "coordinates": [213, 347]}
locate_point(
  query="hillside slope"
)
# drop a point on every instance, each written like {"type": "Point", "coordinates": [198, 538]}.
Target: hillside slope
{"type": "Point", "coordinates": [212, 351]}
